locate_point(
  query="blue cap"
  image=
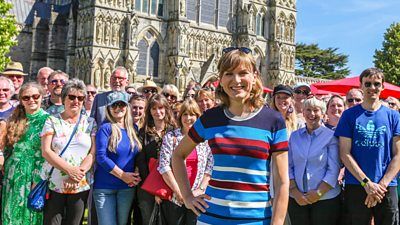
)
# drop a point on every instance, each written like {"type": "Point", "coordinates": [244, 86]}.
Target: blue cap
{"type": "Point", "coordinates": [117, 96]}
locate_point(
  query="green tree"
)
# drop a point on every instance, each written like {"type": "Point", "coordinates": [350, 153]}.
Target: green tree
{"type": "Point", "coordinates": [312, 61]}
{"type": "Point", "coordinates": [8, 32]}
{"type": "Point", "coordinates": [388, 57]}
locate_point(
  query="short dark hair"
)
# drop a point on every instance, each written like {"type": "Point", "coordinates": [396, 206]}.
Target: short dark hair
{"type": "Point", "coordinates": [372, 72]}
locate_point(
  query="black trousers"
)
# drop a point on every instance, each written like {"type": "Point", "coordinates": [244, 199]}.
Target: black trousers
{"type": "Point", "coordinates": [177, 215]}
{"type": "Point", "coordinates": [385, 213]}
{"type": "Point", "coordinates": [323, 212]}
{"type": "Point", "coordinates": [146, 205]}
{"type": "Point", "coordinates": [64, 208]}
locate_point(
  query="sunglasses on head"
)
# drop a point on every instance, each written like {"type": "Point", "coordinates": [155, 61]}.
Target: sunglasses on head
{"type": "Point", "coordinates": [241, 49]}
{"type": "Point", "coordinates": [73, 97]}
{"type": "Point", "coordinates": [298, 91]}
{"type": "Point", "coordinates": [153, 91]}
{"type": "Point", "coordinates": [91, 92]}
{"type": "Point", "coordinates": [376, 84]}
{"type": "Point", "coordinates": [351, 100]}
{"type": "Point", "coordinates": [167, 95]}
{"type": "Point", "coordinates": [56, 81]}
{"type": "Point", "coordinates": [118, 105]}
{"type": "Point", "coordinates": [29, 97]}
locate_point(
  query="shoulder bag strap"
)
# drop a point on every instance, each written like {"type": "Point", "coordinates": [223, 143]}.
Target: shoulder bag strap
{"type": "Point", "coordinates": [69, 141]}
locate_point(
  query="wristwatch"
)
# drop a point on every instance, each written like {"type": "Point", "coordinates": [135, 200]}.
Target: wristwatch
{"type": "Point", "coordinates": [364, 182]}
{"type": "Point", "coordinates": [201, 188]}
{"type": "Point", "coordinates": [319, 193]}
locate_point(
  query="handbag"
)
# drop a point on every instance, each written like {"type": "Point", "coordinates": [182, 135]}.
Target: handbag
{"type": "Point", "coordinates": [38, 195]}
{"type": "Point", "coordinates": [156, 217]}
{"type": "Point", "coordinates": [154, 184]}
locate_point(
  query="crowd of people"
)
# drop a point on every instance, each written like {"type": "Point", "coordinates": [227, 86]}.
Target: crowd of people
{"type": "Point", "coordinates": [229, 154]}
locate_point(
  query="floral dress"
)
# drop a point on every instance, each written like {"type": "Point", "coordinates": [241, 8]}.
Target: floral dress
{"type": "Point", "coordinates": [22, 169]}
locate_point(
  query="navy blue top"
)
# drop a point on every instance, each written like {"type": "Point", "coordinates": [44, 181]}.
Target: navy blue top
{"type": "Point", "coordinates": [106, 160]}
{"type": "Point", "coordinates": [7, 113]}
{"type": "Point", "coordinates": [372, 135]}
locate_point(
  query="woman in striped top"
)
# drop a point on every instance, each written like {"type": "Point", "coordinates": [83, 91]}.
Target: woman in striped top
{"type": "Point", "coordinates": [243, 135]}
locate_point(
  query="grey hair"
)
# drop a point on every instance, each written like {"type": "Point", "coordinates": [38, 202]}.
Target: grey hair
{"type": "Point", "coordinates": [10, 83]}
{"type": "Point", "coordinates": [43, 69]}
{"type": "Point", "coordinates": [55, 72]}
{"type": "Point", "coordinates": [123, 69]}
{"type": "Point", "coordinates": [314, 102]}
{"type": "Point", "coordinates": [173, 88]}
{"type": "Point", "coordinates": [74, 84]}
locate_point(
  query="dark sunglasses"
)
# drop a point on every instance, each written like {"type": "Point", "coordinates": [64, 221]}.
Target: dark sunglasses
{"type": "Point", "coordinates": [376, 84]}
{"type": "Point", "coordinates": [190, 95]}
{"type": "Point", "coordinates": [5, 89]}
{"type": "Point", "coordinates": [153, 91]}
{"type": "Point", "coordinates": [73, 97]}
{"type": "Point", "coordinates": [55, 81]}
{"type": "Point", "coordinates": [351, 100]}
{"type": "Point", "coordinates": [242, 49]}
{"type": "Point", "coordinates": [298, 91]}
{"type": "Point", "coordinates": [173, 97]}
{"type": "Point", "coordinates": [27, 97]}
{"type": "Point", "coordinates": [391, 104]}
{"type": "Point", "coordinates": [118, 105]}
{"type": "Point", "coordinates": [131, 92]}
{"type": "Point", "coordinates": [91, 92]}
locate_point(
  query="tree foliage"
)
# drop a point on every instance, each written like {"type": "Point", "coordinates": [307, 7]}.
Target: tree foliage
{"type": "Point", "coordinates": [8, 32]}
{"type": "Point", "coordinates": [388, 57]}
{"type": "Point", "coordinates": [312, 61]}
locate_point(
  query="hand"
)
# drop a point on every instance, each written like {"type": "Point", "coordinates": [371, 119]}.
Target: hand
{"type": "Point", "coordinates": [300, 198]}
{"type": "Point", "coordinates": [341, 176]}
{"type": "Point", "coordinates": [197, 203]}
{"type": "Point", "coordinates": [371, 201]}
{"type": "Point", "coordinates": [312, 196]}
{"type": "Point", "coordinates": [179, 197]}
{"type": "Point", "coordinates": [70, 184]}
{"type": "Point", "coordinates": [197, 192]}
{"type": "Point", "coordinates": [136, 179]}
{"type": "Point", "coordinates": [158, 200]}
{"type": "Point", "coordinates": [128, 178]}
{"type": "Point", "coordinates": [375, 189]}
{"type": "Point", "coordinates": [76, 173]}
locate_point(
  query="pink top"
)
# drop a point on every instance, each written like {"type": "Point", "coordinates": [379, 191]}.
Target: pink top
{"type": "Point", "coordinates": [191, 166]}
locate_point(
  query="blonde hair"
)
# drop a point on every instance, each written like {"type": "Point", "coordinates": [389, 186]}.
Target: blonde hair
{"type": "Point", "coordinates": [116, 134]}
{"type": "Point", "coordinates": [189, 106]}
{"type": "Point", "coordinates": [228, 62]}
{"type": "Point", "coordinates": [290, 118]}
{"type": "Point", "coordinates": [17, 124]}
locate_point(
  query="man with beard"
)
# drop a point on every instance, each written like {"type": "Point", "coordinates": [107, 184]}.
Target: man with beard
{"type": "Point", "coordinates": [53, 103]}
{"type": "Point", "coordinates": [118, 82]}
{"type": "Point", "coordinates": [91, 94]}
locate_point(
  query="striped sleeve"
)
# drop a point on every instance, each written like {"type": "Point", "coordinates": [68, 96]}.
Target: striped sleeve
{"type": "Point", "coordinates": [279, 136]}
{"type": "Point", "coordinates": [197, 132]}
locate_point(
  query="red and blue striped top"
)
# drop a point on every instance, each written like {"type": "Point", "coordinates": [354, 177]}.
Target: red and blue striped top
{"type": "Point", "coordinates": [239, 185]}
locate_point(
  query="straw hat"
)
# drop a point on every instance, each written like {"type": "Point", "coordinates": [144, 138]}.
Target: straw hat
{"type": "Point", "coordinates": [14, 68]}
{"type": "Point", "coordinates": [149, 84]}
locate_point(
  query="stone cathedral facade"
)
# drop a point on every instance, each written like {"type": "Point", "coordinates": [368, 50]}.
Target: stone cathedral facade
{"type": "Point", "coordinates": [173, 41]}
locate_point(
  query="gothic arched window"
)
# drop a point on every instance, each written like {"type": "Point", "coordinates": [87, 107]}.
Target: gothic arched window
{"type": "Point", "coordinates": [149, 55]}
{"type": "Point", "coordinates": [153, 7]}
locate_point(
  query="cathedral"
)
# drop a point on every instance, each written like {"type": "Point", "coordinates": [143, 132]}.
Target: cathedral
{"type": "Point", "coordinates": [172, 41]}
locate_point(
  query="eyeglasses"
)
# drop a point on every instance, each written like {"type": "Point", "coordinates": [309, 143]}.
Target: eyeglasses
{"type": "Point", "coordinates": [131, 92]}
{"type": "Point", "coordinates": [56, 81]}
{"type": "Point", "coordinates": [351, 100]}
{"type": "Point", "coordinates": [242, 49]}
{"type": "Point", "coordinates": [167, 95]}
{"type": "Point", "coordinates": [153, 91]}
{"type": "Point", "coordinates": [118, 78]}
{"type": "Point", "coordinates": [190, 95]}
{"type": "Point", "coordinates": [298, 91]}
{"type": "Point", "coordinates": [29, 97]}
{"type": "Point", "coordinates": [118, 105]}
{"type": "Point", "coordinates": [73, 97]}
{"type": "Point", "coordinates": [91, 92]}
{"type": "Point", "coordinates": [376, 84]}
{"type": "Point", "coordinates": [15, 77]}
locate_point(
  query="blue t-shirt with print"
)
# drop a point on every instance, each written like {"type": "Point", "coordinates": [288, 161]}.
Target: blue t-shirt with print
{"type": "Point", "coordinates": [372, 135]}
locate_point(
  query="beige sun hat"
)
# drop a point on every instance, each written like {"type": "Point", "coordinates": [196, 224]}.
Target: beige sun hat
{"type": "Point", "coordinates": [148, 83]}
{"type": "Point", "coordinates": [14, 68]}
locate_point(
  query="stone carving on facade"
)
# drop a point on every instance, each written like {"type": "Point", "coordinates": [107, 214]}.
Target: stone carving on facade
{"type": "Point", "coordinates": [115, 33]}
{"type": "Point", "coordinates": [97, 77]}
{"type": "Point", "coordinates": [182, 8]}
{"type": "Point", "coordinates": [99, 30]}
{"type": "Point", "coordinates": [107, 32]}
{"type": "Point", "coordinates": [107, 75]}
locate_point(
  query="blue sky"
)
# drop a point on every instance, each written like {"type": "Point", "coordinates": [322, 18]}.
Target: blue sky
{"type": "Point", "coordinates": [356, 27]}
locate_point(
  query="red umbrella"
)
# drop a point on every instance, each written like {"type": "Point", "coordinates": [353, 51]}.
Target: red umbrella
{"type": "Point", "coordinates": [344, 85]}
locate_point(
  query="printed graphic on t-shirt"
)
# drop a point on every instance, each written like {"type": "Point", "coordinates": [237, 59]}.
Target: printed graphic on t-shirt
{"type": "Point", "coordinates": [370, 134]}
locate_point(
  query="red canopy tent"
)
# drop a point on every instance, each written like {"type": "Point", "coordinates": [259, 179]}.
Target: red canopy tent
{"type": "Point", "coordinates": [344, 85]}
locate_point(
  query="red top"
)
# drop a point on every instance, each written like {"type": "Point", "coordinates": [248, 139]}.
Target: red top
{"type": "Point", "coordinates": [191, 166]}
